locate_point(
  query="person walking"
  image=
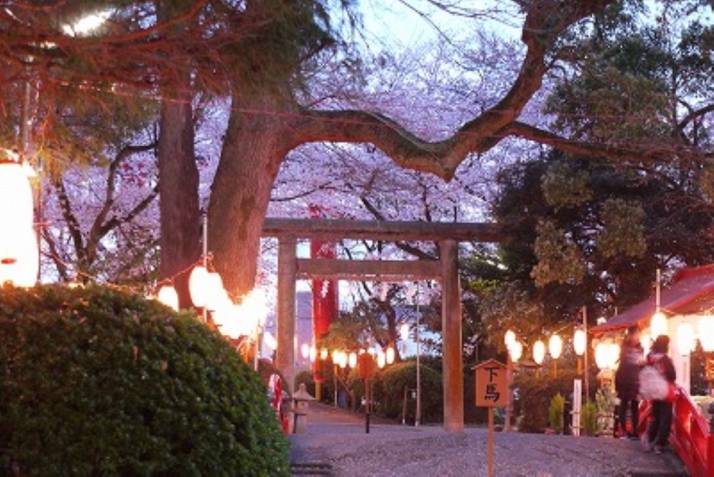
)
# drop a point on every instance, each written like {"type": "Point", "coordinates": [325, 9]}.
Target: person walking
{"type": "Point", "coordinates": [627, 381]}
{"type": "Point", "coordinates": [658, 432]}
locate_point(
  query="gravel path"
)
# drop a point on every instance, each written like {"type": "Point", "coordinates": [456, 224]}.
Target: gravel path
{"type": "Point", "coordinates": [392, 450]}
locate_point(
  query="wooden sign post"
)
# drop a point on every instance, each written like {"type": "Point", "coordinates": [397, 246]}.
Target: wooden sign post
{"type": "Point", "coordinates": [491, 391]}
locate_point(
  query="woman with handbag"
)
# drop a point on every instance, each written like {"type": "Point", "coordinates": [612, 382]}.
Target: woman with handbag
{"type": "Point", "coordinates": [657, 384]}
{"type": "Point", "coordinates": [627, 381]}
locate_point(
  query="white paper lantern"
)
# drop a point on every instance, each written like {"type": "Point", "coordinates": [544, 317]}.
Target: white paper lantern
{"type": "Point", "coordinates": [255, 307]}
{"type": "Point", "coordinates": [323, 354]}
{"type": "Point", "coordinates": [685, 338]}
{"type": "Point", "coordinates": [168, 296]}
{"type": "Point", "coordinates": [706, 332]}
{"type": "Point", "coordinates": [313, 353]}
{"type": "Point", "coordinates": [381, 359]}
{"type": "Point", "coordinates": [645, 342]}
{"type": "Point", "coordinates": [198, 286]}
{"type": "Point", "coordinates": [305, 351]}
{"type": "Point", "coordinates": [216, 295]}
{"type": "Point", "coordinates": [658, 325]}
{"type": "Point", "coordinates": [538, 352]}
{"type": "Point", "coordinates": [555, 346]}
{"type": "Point", "coordinates": [580, 341]}
{"type": "Point", "coordinates": [516, 351]}
{"type": "Point", "coordinates": [353, 360]}
{"type": "Point", "coordinates": [16, 204]}
{"type": "Point", "coordinates": [270, 341]}
{"type": "Point", "coordinates": [509, 338]}
{"type": "Point", "coordinates": [389, 355]}
{"type": "Point", "coordinates": [613, 355]}
{"type": "Point", "coordinates": [602, 359]}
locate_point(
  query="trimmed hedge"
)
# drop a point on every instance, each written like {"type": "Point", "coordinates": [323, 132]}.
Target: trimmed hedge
{"type": "Point", "coordinates": [97, 382]}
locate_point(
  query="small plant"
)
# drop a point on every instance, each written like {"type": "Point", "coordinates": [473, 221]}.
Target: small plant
{"type": "Point", "coordinates": [589, 419]}
{"type": "Point", "coordinates": [555, 413]}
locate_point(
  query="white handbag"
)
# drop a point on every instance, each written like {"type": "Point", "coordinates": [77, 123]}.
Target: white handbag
{"type": "Point", "coordinates": [653, 386]}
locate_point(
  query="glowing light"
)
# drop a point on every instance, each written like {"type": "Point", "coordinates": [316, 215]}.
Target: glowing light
{"type": "Point", "coordinates": [19, 258]}
{"type": "Point", "coordinates": [381, 359]}
{"type": "Point", "coordinates": [270, 340]}
{"type": "Point", "coordinates": [198, 286]}
{"type": "Point", "coordinates": [613, 354]}
{"type": "Point", "coordinates": [555, 346]}
{"type": "Point", "coordinates": [216, 294]}
{"type": "Point", "coordinates": [353, 360]}
{"type": "Point", "coordinates": [168, 296]}
{"type": "Point", "coordinates": [86, 24]}
{"type": "Point", "coordinates": [305, 350]}
{"type": "Point", "coordinates": [538, 352]}
{"type": "Point", "coordinates": [685, 338]}
{"type": "Point", "coordinates": [509, 338]}
{"type": "Point", "coordinates": [601, 355]}
{"type": "Point", "coordinates": [646, 342]}
{"type": "Point", "coordinates": [255, 306]}
{"type": "Point", "coordinates": [16, 204]}
{"type": "Point", "coordinates": [404, 332]}
{"type": "Point", "coordinates": [706, 332]}
{"type": "Point", "coordinates": [389, 356]}
{"type": "Point", "coordinates": [323, 354]}
{"type": "Point", "coordinates": [313, 353]}
{"type": "Point", "coordinates": [516, 351]}
{"type": "Point", "coordinates": [658, 325]}
{"type": "Point", "coordinates": [580, 342]}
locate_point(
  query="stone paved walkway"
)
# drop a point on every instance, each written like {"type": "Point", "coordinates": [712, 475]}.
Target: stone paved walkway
{"type": "Point", "coordinates": [338, 438]}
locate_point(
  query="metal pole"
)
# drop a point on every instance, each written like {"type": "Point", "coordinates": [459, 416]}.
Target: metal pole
{"type": "Point", "coordinates": [586, 369]}
{"type": "Point", "coordinates": [657, 289]}
{"type": "Point", "coordinates": [417, 413]}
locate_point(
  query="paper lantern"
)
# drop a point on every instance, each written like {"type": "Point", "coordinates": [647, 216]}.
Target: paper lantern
{"type": "Point", "coordinates": [168, 296]}
{"type": "Point", "coordinates": [305, 350]}
{"type": "Point", "coordinates": [555, 346]}
{"type": "Point", "coordinates": [658, 325]}
{"type": "Point", "coordinates": [580, 342]}
{"type": "Point", "coordinates": [270, 341]}
{"type": "Point", "coordinates": [613, 355]}
{"type": "Point", "coordinates": [706, 333]}
{"type": "Point", "coordinates": [353, 360]}
{"type": "Point", "coordinates": [516, 351]}
{"type": "Point", "coordinates": [602, 359]}
{"type": "Point", "coordinates": [255, 306]}
{"type": "Point", "coordinates": [645, 342]}
{"type": "Point", "coordinates": [335, 355]}
{"type": "Point", "coordinates": [685, 338]}
{"type": "Point", "coordinates": [509, 338]}
{"type": "Point", "coordinates": [313, 353]}
{"type": "Point", "coordinates": [389, 355]}
{"type": "Point", "coordinates": [538, 352]}
{"type": "Point", "coordinates": [198, 286]}
{"type": "Point", "coordinates": [16, 204]}
{"type": "Point", "coordinates": [404, 332]}
{"type": "Point", "coordinates": [381, 359]}
{"type": "Point", "coordinates": [323, 354]}
{"type": "Point", "coordinates": [216, 295]}
{"type": "Point", "coordinates": [342, 359]}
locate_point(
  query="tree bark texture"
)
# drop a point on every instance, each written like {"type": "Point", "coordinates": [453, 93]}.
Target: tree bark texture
{"type": "Point", "coordinates": [178, 195]}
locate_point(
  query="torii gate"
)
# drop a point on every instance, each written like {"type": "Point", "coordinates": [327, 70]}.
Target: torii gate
{"type": "Point", "coordinates": [445, 269]}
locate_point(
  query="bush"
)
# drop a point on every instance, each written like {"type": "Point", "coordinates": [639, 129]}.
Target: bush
{"type": "Point", "coordinates": [533, 395]}
{"type": "Point", "coordinates": [96, 382]}
{"type": "Point", "coordinates": [555, 413]}
{"type": "Point", "coordinates": [589, 419]}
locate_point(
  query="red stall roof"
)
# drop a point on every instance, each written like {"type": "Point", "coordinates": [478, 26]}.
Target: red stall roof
{"type": "Point", "coordinates": [692, 291]}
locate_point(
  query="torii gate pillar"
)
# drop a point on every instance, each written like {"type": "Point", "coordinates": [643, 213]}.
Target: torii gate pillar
{"type": "Point", "coordinates": [287, 274]}
{"type": "Point", "coordinates": [453, 367]}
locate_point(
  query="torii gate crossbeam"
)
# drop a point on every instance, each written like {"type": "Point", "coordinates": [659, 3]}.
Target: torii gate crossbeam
{"type": "Point", "coordinates": [445, 269]}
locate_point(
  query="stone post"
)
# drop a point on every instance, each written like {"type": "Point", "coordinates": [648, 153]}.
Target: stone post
{"type": "Point", "coordinates": [453, 374]}
{"type": "Point", "coordinates": [287, 271]}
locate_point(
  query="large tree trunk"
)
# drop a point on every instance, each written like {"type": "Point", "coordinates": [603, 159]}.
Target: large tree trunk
{"type": "Point", "coordinates": [178, 195]}
{"type": "Point", "coordinates": [252, 151]}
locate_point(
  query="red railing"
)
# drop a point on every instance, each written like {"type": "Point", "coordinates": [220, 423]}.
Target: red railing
{"type": "Point", "coordinates": [690, 437]}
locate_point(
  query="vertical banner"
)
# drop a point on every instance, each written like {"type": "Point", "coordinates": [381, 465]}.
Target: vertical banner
{"type": "Point", "coordinates": [324, 292]}
{"type": "Point", "coordinates": [577, 405]}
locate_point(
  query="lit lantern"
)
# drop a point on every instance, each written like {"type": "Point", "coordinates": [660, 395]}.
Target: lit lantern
{"type": "Point", "coordinates": [19, 258]}
{"type": "Point", "coordinates": [198, 286]}
{"type": "Point", "coordinates": [538, 352]}
{"type": "Point", "coordinates": [353, 360]}
{"type": "Point", "coordinates": [646, 343]}
{"type": "Point", "coordinates": [601, 356]}
{"type": "Point", "coordinates": [580, 342]}
{"type": "Point", "coordinates": [389, 355]}
{"type": "Point", "coordinates": [323, 354]}
{"type": "Point", "coordinates": [16, 204]}
{"type": "Point", "coordinates": [343, 360]}
{"type": "Point", "coordinates": [305, 350]}
{"type": "Point", "coordinates": [685, 338]}
{"type": "Point", "coordinates": [216, 294]}
{"type": "Point", "coordinates": [270, 340]}
{"type": "Point", "coordinates": [381, 359]}
{"type": "Point", "coordinates": [404, 332]}
{"type": "Point", "coordinates": [613, 351]}
{"type": "Point", "coordinates": [706, 333]}
{"type": "Point", "coordinates": [516, 351]}
{"type": "Point", "coordinates": [658, 325]}
{"type": "Point", "coordinates": [509, 338]}
{"type": "Point", "coordinates": [313, 353]}
{"type": "Point", "coordinates": [168, 296]}
{"type": "Point", "coordinates": [555, 346]}
{"type": "Point", "coordinates": [335, 355]}
{"type": "Point", "coordinates": [256, 306]}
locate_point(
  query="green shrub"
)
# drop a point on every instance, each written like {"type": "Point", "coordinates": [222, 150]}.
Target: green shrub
{"type": "Point", "coordinates": [589, 419]}
{"type": "Point", "coordinates": [555, 413]}
{"type": "Point", "coordinates": [533, 395]}
{"type": "Point", "coordinates": [96, 382]}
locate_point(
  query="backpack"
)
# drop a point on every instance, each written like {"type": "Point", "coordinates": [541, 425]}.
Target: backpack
{"type": "Point", "coordinates": [653, 386]}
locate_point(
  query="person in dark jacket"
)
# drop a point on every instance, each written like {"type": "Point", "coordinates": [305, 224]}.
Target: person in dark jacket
{"type": "Point", "coordinates": [658, 432]}
{"type": "Point", "coordinates": [627, 380]}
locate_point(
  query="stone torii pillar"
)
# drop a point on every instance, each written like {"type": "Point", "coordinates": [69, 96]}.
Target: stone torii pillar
{"type": "Point", "coordinates": [287, 274]}
{"type": "Point", "coordinates": [452, 363]}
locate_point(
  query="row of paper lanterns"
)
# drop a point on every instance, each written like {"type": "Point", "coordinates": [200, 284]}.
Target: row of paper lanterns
{"type": "Point", "coordinates": [686, 335]}
{"type": "Point", "coordinates": [19, 251]}
{"type": "Point", "coordinates": [555, 346]}
{"type": "Point", "coordinates": [207, 291]}
{"type": "Point", "coordinates": [343, 359]}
